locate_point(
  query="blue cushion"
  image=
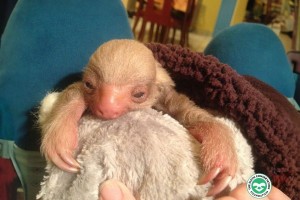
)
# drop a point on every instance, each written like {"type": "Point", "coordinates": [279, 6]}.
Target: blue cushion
{"type": "Point", "coordinates": [44, 42]}
{"type": "Point", "coordinates": [254, 49]}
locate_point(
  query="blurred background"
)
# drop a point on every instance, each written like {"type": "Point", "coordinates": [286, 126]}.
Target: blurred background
{"type": "Point", "coordinates": [210, 17]}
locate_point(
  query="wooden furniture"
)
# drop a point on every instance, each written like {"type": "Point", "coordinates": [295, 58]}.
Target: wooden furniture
{"type": "Point", "coordinates": [296, 34]}
{"type": "Point", "coordinates": [161, 21]}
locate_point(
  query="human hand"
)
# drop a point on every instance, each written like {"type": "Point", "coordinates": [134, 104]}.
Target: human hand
{"type": "Point", "coordinates": [115, 190]}
{"type": "Point", "coordinates": [241, 192]}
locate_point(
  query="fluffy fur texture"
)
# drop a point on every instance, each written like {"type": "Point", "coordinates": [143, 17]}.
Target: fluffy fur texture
{"type": "Point", "coordinates": [269, 122]}
{"type": "Point", "coordinates": [150, 152]}
{"type": "Point", "coordinates": [121, 76]}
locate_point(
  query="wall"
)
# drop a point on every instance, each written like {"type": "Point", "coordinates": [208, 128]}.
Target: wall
{"type": "Point", "coordinates": [125, 2]}
{"type": "Point", "coordinates": [296, 45]}
{"type": "Point", "coordinates": [218, 14]}
{"type": "Point", "coordinates": [239, 12]}
{"type": "Point", "coordinates": [207, 16]}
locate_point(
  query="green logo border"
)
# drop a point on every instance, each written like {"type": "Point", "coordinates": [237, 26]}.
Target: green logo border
{"type": "Point", "coordinates": [252, 179]}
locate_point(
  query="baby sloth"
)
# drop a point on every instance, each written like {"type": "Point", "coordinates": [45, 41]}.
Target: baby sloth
{"type": "Point", "coordinates": [150, 152]}
{"type": "Point", "coordinates": [123, 76]}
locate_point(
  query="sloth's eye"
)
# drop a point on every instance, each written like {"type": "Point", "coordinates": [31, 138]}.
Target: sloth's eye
{"type": "Point", "coordinates": [89, 85]}
{"type": "Point", "coordinates": [139, 94]}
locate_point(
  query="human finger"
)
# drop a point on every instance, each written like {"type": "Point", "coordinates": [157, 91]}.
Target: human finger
{"type": "Point", "coordinates": [114, 190]}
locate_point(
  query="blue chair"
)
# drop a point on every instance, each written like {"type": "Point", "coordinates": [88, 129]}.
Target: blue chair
{"type": "Point", "coordinates": [255, 50]}
{"type": "Point", "coordinates": [44, 47]}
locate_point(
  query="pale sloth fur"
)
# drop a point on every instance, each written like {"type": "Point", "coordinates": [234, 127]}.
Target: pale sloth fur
{"type": "Point", "coordinates": [151, 153]}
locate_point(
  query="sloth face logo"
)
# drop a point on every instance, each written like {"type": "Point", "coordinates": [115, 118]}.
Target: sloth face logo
{"type": "Point", "coordinates": [259, 186]}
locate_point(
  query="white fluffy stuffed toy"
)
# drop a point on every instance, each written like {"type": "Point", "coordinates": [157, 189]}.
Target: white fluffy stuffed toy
{"type": "Point", "coordinates": [151, 153]}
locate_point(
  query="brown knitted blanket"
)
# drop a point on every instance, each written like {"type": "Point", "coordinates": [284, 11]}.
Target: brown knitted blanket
{"type": "Point", "coordinates": [270, 123]}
